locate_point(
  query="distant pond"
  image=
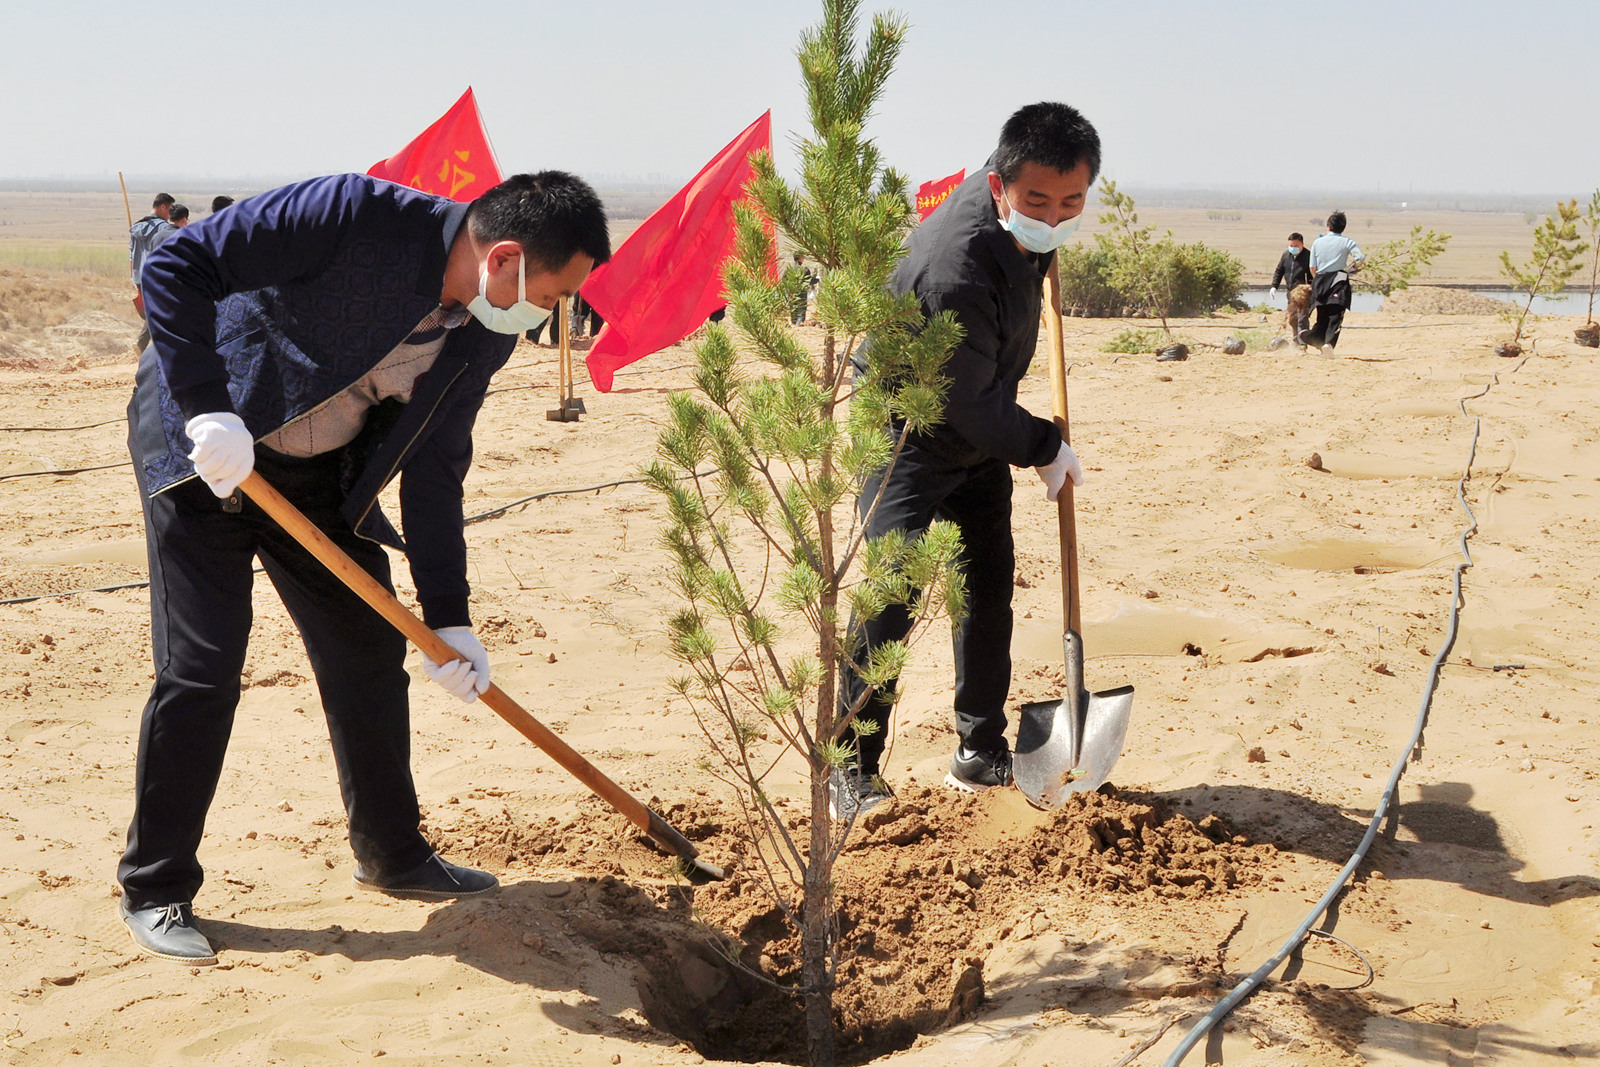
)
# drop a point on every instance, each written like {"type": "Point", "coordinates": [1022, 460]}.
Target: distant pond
{"type": "Point", "coordinates": [1562, 304]}
{"type": "Point", "coordinates": [1573, 303]}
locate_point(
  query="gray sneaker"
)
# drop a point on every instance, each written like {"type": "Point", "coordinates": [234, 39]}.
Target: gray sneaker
{"type": "Point", "coordinates": [975, 772]}
{"type": "Point", "coordinates": [852, 794]}
{"type": "Point", "coordinates": [434, 879]}
{"type": "Point", "coordinates": [168, 932]}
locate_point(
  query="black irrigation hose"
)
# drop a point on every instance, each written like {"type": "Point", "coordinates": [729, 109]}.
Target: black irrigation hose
{"type": "Point", "coordinates": [69, 470]}
{"type": "Point", "coordinates": [1411, 752]}
{"type": "Point", "coordinates": [59, 429]}
{"type": "Point", "coordinates": [75, 592]}
{"type": "Point", "coordinates": [492, 513]}
{"type": "Point", "coordinates": [502, 509]}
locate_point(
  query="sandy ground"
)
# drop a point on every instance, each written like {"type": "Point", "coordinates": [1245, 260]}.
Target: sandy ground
{"type": "Point", "coordinates": [1255, 603]}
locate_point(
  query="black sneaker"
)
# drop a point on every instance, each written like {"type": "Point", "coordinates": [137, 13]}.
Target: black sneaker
{"type": "Point", "coordinates": [852, 794]}
{"type": "Point", "coordinates": [168, 932]}
{"type": "Point", "coordinates": [434, 879]}
{"type": "Point", "coordinates": [974, 772]}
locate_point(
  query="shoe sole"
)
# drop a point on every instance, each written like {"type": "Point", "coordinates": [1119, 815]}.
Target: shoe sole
{"type": "Point", "coordinates": [423, 894]}
{"type": "Point", "coordinates": [960, 786]}
{"type": "Point", "coordinates": [193, 961]}
{"type": "Point", "coordinates": [862, 810]}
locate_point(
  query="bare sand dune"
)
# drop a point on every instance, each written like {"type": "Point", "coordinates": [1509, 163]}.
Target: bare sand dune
{"type": "Point", "coordinates": [1276, 619]}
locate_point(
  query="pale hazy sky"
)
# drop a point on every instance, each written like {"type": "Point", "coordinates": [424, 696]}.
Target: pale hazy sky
{"type": "Point", "coordinates": [1401, 95]}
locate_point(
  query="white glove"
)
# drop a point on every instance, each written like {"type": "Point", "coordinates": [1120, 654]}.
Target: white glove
{"type": "Point", "coordinates": [464, 678]}
{"type": "Point", "coordinates": [1273, 293]}
{"type": "Point", "coordinates": [224, 453]}
{"type": "Point", "coordinates": [1055, 474]}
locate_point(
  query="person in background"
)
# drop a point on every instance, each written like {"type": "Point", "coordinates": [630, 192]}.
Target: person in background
{"type": "Point", "coordinates": [806, 282]}
{"type": "Point", "coordinates": [585, 318]}
{"type": "Point", "coordinates": [1294, 270]}
{"type": "Point", "coordinates": [220, 202]}
{"type": "Point", "coordinates": [142, 237]}
{"type": "Point", "coordinates": [1333, 258]}
{"type": "Point", "coordinates": [179, 218]}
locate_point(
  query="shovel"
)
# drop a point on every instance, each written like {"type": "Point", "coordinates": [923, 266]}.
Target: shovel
{"type": "Point", "coordinates": [383, 602]}
{"type": "Point", "coordinates": [1071, 744]}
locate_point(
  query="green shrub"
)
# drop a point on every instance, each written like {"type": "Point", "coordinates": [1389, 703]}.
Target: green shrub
{"type": "Point", "coordinates": [1136, 342]}
{"type": "Point", "coordinates": [1204, 279]}
{"type": "Point", "coordinates": [1129, 269]}
{"type": "Point", "coordinates": [1086, 287]}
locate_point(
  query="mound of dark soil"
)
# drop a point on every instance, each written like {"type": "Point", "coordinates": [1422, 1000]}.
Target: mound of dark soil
{"type": "Point", "coordinates": [925, 887]}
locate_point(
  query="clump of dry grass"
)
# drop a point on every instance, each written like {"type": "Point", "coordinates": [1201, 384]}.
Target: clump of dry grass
{"type": "Point", "coordinates": [33, 299]}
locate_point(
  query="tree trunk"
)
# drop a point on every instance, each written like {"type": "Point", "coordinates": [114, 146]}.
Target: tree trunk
{"type": "Point", "coordinates": [817, 927]}
{"type": "Point", "coordinates": [816, 946]}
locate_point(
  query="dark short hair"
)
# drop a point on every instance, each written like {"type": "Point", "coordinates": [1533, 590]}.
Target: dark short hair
{"type": "Point", "coordinates": [553, 215]}
{"type": "Point", "coordinates": [162, 199]}
{"type": "Point", "coordinates": [1296, 237]}
{"type": "Point", "coordinates": [178, 213]}
{"type": "Point", "coordinates": [1051, 135]}
{"type": "Point", "coordinates": [220, 202]}
{"type": "Point", "coordinates": [1336, 222]}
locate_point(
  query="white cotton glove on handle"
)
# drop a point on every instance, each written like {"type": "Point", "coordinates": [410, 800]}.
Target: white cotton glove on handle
{"type": "Point", "coordinates": [1055, 474]}
{"type": "Point", "coordinates": [462, 678]}
{"type": "Point", "coordinates": [224, 452]}
{"type": "Point", "coordinates": [1273, 292]}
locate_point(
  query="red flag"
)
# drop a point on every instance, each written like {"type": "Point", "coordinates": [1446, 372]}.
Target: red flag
{"type": "Point", "coordinates": [667, 276]}
{"type": "Point", "coordinates": [450, 158]}
{"type": "Point", "coordinates": [931, 194]}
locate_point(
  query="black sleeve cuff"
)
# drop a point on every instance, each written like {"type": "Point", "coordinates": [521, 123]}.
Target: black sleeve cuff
{"type": "Point", "coordinates": [439, 612]}
{"type": "Point", "coordinates": [1048, 445]}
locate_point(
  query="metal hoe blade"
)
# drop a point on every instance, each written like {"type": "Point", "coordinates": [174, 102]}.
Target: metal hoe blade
{"type": "Point", "coordinates": [1070, 745]}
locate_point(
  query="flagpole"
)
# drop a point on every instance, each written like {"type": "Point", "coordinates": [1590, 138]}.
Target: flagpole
{"type": "Point", "coordinates": [483, 128]}
{"type": "Point", "coordinates": [128, 208]}
{"type": "Point", "coordinates": [568, 408]}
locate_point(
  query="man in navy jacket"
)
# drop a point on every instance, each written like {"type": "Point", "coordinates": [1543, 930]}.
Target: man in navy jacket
{"type": "Point", "coordinates": [331, 334]}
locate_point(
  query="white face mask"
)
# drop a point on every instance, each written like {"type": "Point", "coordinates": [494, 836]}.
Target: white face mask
{"type": "Point", "coordinates": [519, 317]}
{"type": "Point", "coordinates": [1035, 235]}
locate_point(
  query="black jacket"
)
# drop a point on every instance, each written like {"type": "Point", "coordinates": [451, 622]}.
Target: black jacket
{"type": "Point", "coordinates": [962, 261]}
{"type": "Point", "coordinates": [1294, 268]}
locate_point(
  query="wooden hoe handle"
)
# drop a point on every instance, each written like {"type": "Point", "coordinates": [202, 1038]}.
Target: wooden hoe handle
{"type": "Point", "coordinates": [384, 603]}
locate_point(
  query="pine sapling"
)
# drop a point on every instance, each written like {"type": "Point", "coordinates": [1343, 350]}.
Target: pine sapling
{"type": "Point", "coordinates": [1556, 248]}
{"type": "Point", "coordinates": [761, 465]}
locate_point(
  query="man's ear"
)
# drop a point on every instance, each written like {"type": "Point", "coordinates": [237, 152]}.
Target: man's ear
{"type": "Point", "coordinates": [501, 253]}
{"type": "Point", "coordinates": [997, 188]}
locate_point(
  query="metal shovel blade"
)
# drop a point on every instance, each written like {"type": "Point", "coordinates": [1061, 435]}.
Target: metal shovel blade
{"type": "Point", "coordinates": [1070, 745]}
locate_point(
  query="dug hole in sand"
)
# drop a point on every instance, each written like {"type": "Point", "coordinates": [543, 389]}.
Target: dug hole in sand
{"type": "Point", "coordinates": [1276, 620]}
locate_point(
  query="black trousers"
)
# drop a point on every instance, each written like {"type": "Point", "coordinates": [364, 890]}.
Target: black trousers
{"type": "Point", "coordinates": [1326, 330]}
{"type": "Point", "coordinates": [922, 488]}
{"type": "Point", "coordinates": [200, 610]}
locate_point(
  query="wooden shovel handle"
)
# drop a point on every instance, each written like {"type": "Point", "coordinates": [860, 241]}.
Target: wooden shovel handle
{"type": "Point", "coordinates": [384, 603]}
{"type": "Point", "coordinates": [1058, 401]}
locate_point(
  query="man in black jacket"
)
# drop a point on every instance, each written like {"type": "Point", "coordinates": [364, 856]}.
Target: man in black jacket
{"type": "Point", "coordinates": [983, 256]}
{"type": "Point", "coordinates": [1294, 270]}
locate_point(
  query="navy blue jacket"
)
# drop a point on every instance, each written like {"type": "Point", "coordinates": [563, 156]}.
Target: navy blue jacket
{"type": "Point", "coordinates": [288, 298]}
